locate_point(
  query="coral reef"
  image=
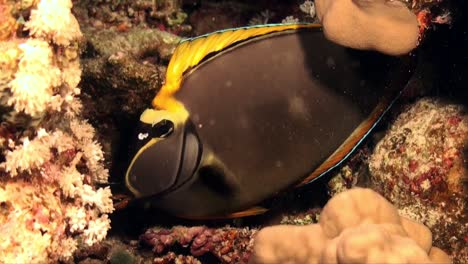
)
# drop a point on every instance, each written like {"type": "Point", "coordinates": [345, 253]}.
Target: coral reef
{"type": "Point", "coordinates": [51, 162]}
{"type": "Point", "coordinates": [229, 245]}
{"type": "Point", "coordinates": [352, 173]}
{"type": "Point", "coordinates": [165, 15]}
{"type": "Point", "coordinates": [420, 166]}
{"type": "Point", "coordinates": [127, 60]}
{"type": "Point", "coordinates": [172, 257]}
{"type": "Point", "coordinates": [421, 155]}
{"type": "Point", "coordinates": [356, 226]}
{"type": "Point", "coordinates": [309, 217]}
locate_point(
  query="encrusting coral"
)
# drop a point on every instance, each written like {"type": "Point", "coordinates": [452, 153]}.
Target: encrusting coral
{"type": "Point", "coordinates": [420, 166]}
{"type": "Point", "coordinates": [422, 154]}
{"type": "Point", "coordinates": [356, 226]}
{"type": "Point", "coordinates": [227, 244]}
{"type": "Point", "coordinates": [50, 167]}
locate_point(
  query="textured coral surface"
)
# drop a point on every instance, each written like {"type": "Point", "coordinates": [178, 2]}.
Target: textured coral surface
{"type": "Point", "coordinates": [420, 166]}
{"type": "Point", "coordinates": [229, 245]}
{"type": "Point", "coordinates": [356, 226]}
{"type": "Point", "coordinates": [422, 153]}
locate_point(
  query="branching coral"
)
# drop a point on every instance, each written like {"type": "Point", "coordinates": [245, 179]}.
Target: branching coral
{"type": "Point", "coordinates": [356, 226]}
{"type": "Point", "coordinates": [49, 202]}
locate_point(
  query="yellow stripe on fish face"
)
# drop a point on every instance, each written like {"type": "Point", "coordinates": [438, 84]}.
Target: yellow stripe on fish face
{"type": "Point", "coordinates": [192, 52]}
{"type": "Point", "coordinates": [152, 117]}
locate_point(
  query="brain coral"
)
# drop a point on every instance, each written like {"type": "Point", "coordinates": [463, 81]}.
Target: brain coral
{"type": "Point", "coordinates": [356, 226]}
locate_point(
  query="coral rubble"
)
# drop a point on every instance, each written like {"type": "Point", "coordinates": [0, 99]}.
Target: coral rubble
{"type": "Point", "coordinates": [356, 226]}
{"type": "Point", "coordinates": [51, 163]}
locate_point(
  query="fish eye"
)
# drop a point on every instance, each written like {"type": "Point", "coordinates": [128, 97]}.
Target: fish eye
{"type": "Point", "coordinates": [162, 129]}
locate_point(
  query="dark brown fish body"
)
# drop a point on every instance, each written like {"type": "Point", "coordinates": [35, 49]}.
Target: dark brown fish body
{"type": "Point", "coordinates": [275, 112]}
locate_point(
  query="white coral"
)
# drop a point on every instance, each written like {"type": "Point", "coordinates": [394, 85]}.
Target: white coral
{"type": "Point", "coordinates": [308, 7]}
{"type": "Point", "coordinates": [32, 87]}
{"type": "Point", "coordinates": [91, 149]}
{"type": "Point", "coordinates": [53, 19]}
{"type": "Point", "coordinates": [82, 130]}
{"type": "Point", "coordinates": [77, 216]}
{"type": "Point", "coordinates": [100, 198]}
{"type": "Point", "coordinates": [97, 230]}
{"type": "Point", "coordinates": [51, 206]}
{"type": "Point", "coordinates": [103, 200]}
{"type": "Point", "coordinates": [30, 155]}
{"type": "Point", "coordinates": [71, 182]}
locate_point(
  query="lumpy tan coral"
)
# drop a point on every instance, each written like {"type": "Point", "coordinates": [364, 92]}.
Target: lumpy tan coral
{"type": "Point", "coordinates": [382, 25]}
{"type": "Point", "coordinates": [357, 226]}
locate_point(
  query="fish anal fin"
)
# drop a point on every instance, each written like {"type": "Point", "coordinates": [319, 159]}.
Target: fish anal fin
{"type": "Point", "coordinates": [350, 143]}
{"type": "Point", "coordinates": [256, 210]}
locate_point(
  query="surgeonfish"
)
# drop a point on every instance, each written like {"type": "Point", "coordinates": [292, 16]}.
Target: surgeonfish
{"type": "Point", "coordinates": [246, 113]}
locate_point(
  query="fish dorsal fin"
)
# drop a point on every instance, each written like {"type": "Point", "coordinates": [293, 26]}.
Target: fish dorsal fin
{"type": "Point", "coordinates": [192, 52]}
